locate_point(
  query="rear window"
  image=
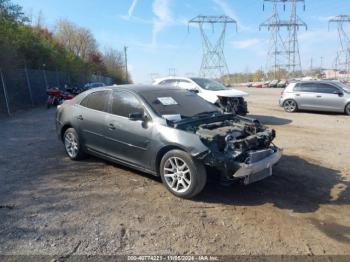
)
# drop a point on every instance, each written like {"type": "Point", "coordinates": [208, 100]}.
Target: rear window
{"type": "Point", "coordinates": [305, 87]}
{"type": "Point", "coordinates": [96, 101]}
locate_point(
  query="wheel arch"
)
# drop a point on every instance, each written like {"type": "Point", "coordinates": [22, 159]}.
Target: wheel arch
{"type": "Point", "coordinates": [162, 152]}
{"type": "Point", "coordinates": [64, 128]}
{"type": "Point", "coordinates": [346, 105]}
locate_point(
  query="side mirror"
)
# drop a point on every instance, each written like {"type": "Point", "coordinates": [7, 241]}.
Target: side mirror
{"type": "Point", "coordinates": [338, 92]}
{"type": "Point", "coordinates": [136, 116]}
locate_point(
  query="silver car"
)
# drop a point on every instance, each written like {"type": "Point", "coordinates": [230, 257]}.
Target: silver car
{"type": "Point", "coordinates": [331, 96]}
{"type": "Point", "coordinates": [172, 133]}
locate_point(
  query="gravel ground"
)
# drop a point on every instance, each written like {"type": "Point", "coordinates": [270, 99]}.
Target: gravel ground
{"type": "Point", "coordinates": [51, 205]}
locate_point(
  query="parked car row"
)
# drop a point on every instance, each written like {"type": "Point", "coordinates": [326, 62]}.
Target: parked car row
{"type": "Point", "coordinates": [270, 84]}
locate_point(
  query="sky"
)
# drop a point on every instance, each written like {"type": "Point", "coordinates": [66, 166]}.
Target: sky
{"type": "Point", "coordinates": [158, 37]}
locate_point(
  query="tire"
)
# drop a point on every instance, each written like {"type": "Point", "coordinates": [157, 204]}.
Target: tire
{"type": "Point", "coordinates": [192, 177]}
{"type": "Point", "coordinates": [72, 145]}
{"type": "Point", "coordinates": [347, 109]}
{"type": "Point", "coordinates": [290, 106]}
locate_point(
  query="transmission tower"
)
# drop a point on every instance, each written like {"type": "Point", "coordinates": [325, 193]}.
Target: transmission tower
{"type": "Point", "coordinates": [213, 61]}
{"type": "Point", "coordinates": [342, 61]}
{"type": "Point", "coordinates": [294, 64]}
{"type": "Point", "coordinates": [283, 52]}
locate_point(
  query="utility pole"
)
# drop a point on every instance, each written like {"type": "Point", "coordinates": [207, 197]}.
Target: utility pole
{"type": "Point", "coordinates": [126, 63]}
{"type": "Point", "coordinates": [311, 60]}
{"type": "Point", "coordinates": [172, 71]}
{"type": "Point", "coordinates": [213, 61]}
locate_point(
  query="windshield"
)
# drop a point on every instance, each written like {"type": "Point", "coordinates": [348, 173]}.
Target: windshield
{"type": "Point", "coordinates": [177, 104]}
{"type": "Point", "coordinates": [208, 84]}
{"type": "Point", "coordinates": [343, 86]}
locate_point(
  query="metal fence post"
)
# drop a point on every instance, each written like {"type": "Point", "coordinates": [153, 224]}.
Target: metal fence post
{"type": "Point", "coordinates": [28, 85]}
{"type": "Point", "coordinates": [58, 79]}
{"type": "Point", "coordinates": [5, 92]}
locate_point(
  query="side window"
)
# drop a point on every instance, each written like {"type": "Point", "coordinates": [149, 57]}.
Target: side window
{"type": "Point", "coordinates": [169, 82]}
{"type": "Point", "coordinates": [305, 87]}
{"type": "Point", "coordinates": [327, 89]}
{"type": "Point", "coordinates": [125, 103]}
{"type": "Point", "coordinates": [96, 101]}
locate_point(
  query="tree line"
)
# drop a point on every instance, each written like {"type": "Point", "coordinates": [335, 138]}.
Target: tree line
{"type": "Point", "coordinates": [69, 47]}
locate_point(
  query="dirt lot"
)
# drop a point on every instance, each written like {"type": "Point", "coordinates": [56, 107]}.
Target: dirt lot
{"type": "Point", "coordinates": [51, 205]}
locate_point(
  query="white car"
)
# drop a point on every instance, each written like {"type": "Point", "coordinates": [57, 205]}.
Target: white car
{"type": "Point", "coordinates": [230, 100]}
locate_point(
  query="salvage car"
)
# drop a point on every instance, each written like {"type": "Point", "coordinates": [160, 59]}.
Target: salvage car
{"type": "Point", "coordinates": [324, 95]}
{"type": "Point", "coordinates": [171, 133]}
{"type": "Point", "coordinates": [228, 99]}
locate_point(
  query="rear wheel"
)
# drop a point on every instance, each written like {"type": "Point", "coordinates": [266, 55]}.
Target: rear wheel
{"type": "Point", "coordinates": [182, 175]}
{"type": "Point", "coordinates": [72, 144]}
{"type": "Point", "coordinates": [290, 106]}
{"type": "Point", "coordinates": [347, 109]}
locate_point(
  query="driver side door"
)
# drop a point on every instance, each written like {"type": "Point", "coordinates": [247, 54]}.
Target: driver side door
{"type": "Point", "coordinates": [127, 139]}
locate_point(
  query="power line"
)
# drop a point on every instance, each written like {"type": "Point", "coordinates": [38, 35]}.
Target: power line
{"type": "Point", "coordinates": [213, 60]}
{"type": "Point", "coordinates": [283, 52]}
{"type": "Point", "coordinates": [342, 60]}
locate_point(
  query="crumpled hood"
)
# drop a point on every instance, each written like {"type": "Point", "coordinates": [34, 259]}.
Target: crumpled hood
{"type": "Point", "coordinates": [213, 96]}
{"type": "Point", "coordinates": [230, 93]}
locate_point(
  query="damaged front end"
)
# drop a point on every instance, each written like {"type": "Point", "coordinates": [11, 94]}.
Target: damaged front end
{"type": "Point", "coordinates": [239, 147]}
{"type": "Point", "coordinates": [233, 105]}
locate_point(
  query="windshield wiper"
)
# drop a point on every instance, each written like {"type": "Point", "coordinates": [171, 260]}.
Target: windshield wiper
{"type": "Point", "coordinates": [205, 113]}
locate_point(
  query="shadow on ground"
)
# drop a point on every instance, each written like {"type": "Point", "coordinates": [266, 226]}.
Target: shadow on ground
{"type": "Point", "coordinates": [296, 184]}
{"type": "Point", "coordinates": [271, 120]}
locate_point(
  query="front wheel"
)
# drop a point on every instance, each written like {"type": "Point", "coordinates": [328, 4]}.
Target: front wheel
{"type": "Point", "coordinates": [72, 145]}
{"type": "Point", "coordinates": [182, 175]}
{"type": "Point", "coordinates": [347, 109]}
{"type": "Point", "coordinates": [290, 106]}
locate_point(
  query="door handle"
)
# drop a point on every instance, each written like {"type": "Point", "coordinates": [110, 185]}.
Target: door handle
{"type": "Point", "coordinates": [318, 96]}
{"type": "Point", "coordinates": [111, 126]}
{"type": "Point", "coordinates": [297, 94]}
{"type": "Point", "coordinates": [80, 117]}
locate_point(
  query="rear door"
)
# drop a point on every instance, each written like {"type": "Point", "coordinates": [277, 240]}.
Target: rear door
{"type": "Point", "coordinates": [305, 95]}
{"type": "Point", "coordinates": [92, 119]}
{"type": "Point", "coordinates": [128, 140]}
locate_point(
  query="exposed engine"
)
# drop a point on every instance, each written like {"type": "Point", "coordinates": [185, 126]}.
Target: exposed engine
{"type": "Point", "coordinates": [233, 105]}
{"type": "Point", "coordinates": [235, 137]}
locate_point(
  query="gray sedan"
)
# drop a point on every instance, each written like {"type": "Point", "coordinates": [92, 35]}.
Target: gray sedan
{"type": "Point", "coordinates": [172, 133]}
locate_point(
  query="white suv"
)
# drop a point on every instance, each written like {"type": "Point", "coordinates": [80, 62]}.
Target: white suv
{"type": "Point", "coordinates": [228, 99]}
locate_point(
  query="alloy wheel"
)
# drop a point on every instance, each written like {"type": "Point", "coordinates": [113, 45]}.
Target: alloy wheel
{"type": "Point", "coordinates": [290, 105]}
{"type": "Point", "coordinates": [71, 144]}
{"type": "Point", "coordinates": [177, 174]}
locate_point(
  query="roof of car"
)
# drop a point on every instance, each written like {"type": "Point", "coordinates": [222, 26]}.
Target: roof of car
{"type": "Point", "coordinates": [136, 88]}
{"type": "Point", "coordinates": [317, 81]}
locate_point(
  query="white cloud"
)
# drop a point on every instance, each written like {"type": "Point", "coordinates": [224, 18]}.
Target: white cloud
{"type": "Point", "coordinates": [163, 18]}
{"type": "Point", "coordinates": [226, 8]}
{"type": "Point", "coordinates": [132, 8]}
{"type": "Point", "coordinates": [245, 43]}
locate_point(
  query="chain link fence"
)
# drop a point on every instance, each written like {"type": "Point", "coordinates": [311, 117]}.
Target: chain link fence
{"type": "Point", "coordinates": [25, 88]}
